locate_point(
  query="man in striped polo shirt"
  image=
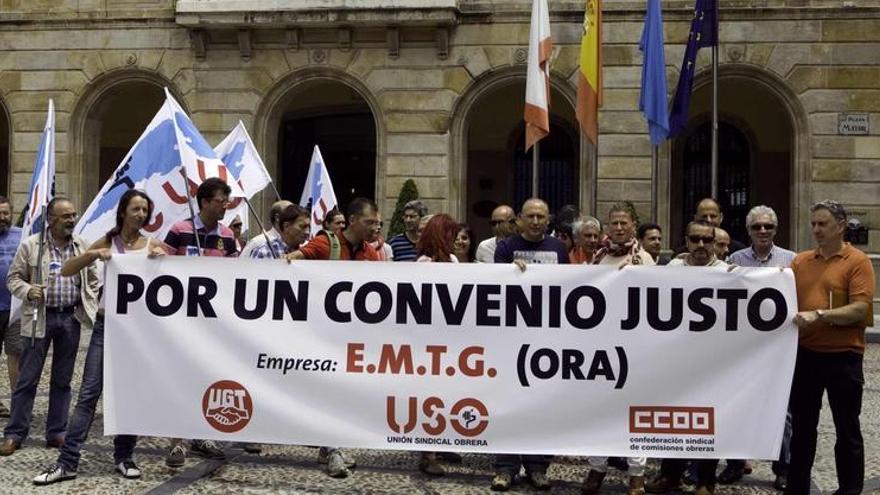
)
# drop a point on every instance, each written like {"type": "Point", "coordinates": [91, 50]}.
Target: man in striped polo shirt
{"type": "Point", "coordinates": [215, 239]}
{"type": "Point", "coordinates": [404, 245]}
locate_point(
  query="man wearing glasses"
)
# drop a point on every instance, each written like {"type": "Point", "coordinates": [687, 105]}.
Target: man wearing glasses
{"type": "Point", "coordinates": [214, 239]}
{"type": "Point", "coordinates": [503, 223]}
{"type": "Point", "coordinates": [835, 287]}
{"type": "Point", "coordinates": [762, 224]}
{"type": "Point", "coordinates": [61, 306]}
{"type": "Point", "coordinates": [701, 252]}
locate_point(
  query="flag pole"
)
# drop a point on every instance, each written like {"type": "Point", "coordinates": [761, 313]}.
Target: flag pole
{"type": "Point", "coordinates": [38, 275]}
{"type": "Point", "coordinates": [262, 228]}
{"type": "Point", "coordinates": [655, 167]}
{"type": "Point", "coordinates": [715, 115]}
{"type": "Point", "coordinates": [192, 212]}
{"type": "Point", "coordinates": [535, 159]}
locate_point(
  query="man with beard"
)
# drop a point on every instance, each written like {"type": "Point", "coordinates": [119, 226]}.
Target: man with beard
{"type": "Point", "coordinates": [61, 306]}
{"type": "Point", "coordinates": [701, 253]}
{"type": "Point", "coordinates": [10, 337]}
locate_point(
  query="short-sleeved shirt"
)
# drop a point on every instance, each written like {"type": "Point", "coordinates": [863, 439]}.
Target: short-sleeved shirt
{"type": "Point", "coordinates": [845, 277]}
{"type": "Point", "coordinates": [775, 258]}
{"type": "Point", "coordinates": [319, 249]}
{"type": "Point", "coordinates": [9, 242]}
{"type": "Point", "coordinates": [265, 251]}
{"type": "Point", "coordinates": [548, 250]}
{"type": "Point", "coordinates": [218, 242]}
{"type": "Point", "coordinates": [486, 250]}
{"type": "Point", "coordinates": [403, 248]}
{"type": "Point", "coordinates": [683, 261]}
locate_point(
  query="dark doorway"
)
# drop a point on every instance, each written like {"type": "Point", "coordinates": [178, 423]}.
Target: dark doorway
{"type": "Point", "coordinates": [498, 169]}
{"type": "Point", "coordinates": [734, 165]}
{"type": "Point", "coordinates": [557, 169]}
{"type": "Point", "coordinates": [113, 124]}
{"type": "Point", "coordinates": [348, 145]}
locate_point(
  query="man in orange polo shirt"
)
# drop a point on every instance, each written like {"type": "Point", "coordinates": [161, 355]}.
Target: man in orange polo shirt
{"type": "Point", "coordinates": [835, 287]}
{"type": "Point", "coordinates": [353, 243]}
{"type": "Point", "coordinates": [350, 244]}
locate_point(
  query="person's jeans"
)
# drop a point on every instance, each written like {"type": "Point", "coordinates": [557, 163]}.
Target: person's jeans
{"type": "Point", "coordinates": [510, 463]}
{"type": "Point", "coordinates": [841, 374]}
{"type": "Point", "coordinates": [84, 412]}
{"type": "Point", "coordinates": [62, 332]}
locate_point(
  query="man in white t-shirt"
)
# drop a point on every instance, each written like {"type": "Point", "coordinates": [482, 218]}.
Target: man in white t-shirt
{"type": "Point", "coordinates": [503, 226]}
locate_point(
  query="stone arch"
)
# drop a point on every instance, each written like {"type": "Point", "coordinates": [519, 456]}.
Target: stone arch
{"type": "Point", "coordinates": [485, 84]}
{"type": "Point", "coordinates": [272, 107]}
{"type": "Point", "coordinates": [86, 171]}
{"type": "Point", "coordinates": [796, 117]}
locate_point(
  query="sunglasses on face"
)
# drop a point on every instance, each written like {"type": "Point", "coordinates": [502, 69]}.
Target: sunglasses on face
{"type": "Point", "coordinates": [697, 238]}
{"type": "Point", "coordinates": [499, 222]}
{"type": "Point", "coordinates": [758, 226]}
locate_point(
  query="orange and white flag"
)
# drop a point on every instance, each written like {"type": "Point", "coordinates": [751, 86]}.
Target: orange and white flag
{"type": "Point", "coordinates": [537, 113]}
{"type": "Point", "coordinates": [589, 84]}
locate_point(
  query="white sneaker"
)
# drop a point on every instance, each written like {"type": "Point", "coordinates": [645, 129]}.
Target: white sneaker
{"type": "Point", "coordinates": [128, 469]}
{"type": "Point", "coordinates": [54, 474]}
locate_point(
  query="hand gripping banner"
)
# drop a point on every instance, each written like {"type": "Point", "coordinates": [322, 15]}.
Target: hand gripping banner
{"type": "Point", "coordinates": [578, 360]}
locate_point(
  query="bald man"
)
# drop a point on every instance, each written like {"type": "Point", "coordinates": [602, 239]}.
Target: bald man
{"type": "Point", "coordinates": [503, 222]}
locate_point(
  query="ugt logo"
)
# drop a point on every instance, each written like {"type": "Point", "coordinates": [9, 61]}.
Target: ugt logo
{"type": "Point", "coordinates": [227, 406]}
{"type": "Point", "coordinates": [468, 417]}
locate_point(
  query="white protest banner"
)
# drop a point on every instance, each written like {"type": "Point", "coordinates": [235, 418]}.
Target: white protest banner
{"type": "Point", "coordinates": [578, 360]}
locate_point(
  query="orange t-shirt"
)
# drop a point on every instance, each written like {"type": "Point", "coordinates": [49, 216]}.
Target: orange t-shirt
{"type": "Point", "coordinates": [319, 249]}
{"type": "Point", "coordinates": [846, 277]}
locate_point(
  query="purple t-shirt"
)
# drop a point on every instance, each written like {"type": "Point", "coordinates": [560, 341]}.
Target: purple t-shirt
{"type": "Point", "coordinates": [548, 251]}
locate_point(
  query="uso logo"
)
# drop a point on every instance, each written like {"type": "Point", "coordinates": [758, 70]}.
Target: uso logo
{"type": "Point", "coordinates": [674, 420]}
{"type": "Point", "coordinates": [227, 406]}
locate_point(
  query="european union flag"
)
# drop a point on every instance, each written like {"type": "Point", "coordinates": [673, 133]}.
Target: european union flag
{"type": "Point", "coordinates": [652, 100]}
{"type": "Point", "coordinates": [704, 32]}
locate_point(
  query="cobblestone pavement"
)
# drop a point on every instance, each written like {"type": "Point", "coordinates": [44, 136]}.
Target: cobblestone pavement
{"type": "Point", "coordinates": [286, 469]}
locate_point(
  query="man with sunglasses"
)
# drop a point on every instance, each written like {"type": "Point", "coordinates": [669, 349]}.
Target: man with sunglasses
{"type": "Point", "coordinates": [835, 288]}
{"type": "Point", "coordinates": [503, 223]}
{"type": "Point", "coordinates": [701, 253]}
{"type": "Point", "coordinates": [762, 224]}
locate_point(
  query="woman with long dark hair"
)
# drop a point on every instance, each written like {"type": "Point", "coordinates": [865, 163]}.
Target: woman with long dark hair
{"type": "Point", "coordinates": [135, 210]}
{"type": "Point", "coordinates": [465, 247]}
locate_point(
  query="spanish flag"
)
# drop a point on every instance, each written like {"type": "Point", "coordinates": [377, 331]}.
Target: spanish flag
{"type": "Point", "coordinates": [589, 87]}
{"type": "Point", "coordinates": [537, 113]}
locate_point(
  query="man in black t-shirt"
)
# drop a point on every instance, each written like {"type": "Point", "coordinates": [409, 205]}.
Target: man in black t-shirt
{"type": "Point", "coordinates": [531, 246]}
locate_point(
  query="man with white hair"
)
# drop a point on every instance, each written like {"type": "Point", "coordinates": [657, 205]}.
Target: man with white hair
{"type": "Point", "coordinates": [762, 225]}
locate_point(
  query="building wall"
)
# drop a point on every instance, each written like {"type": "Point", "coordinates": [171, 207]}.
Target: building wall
{"type": "Point", "coordinates": [824, 60]}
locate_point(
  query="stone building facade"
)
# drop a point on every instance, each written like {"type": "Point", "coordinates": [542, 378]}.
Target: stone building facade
{"type": "Point", "coordinates": [432, 90]}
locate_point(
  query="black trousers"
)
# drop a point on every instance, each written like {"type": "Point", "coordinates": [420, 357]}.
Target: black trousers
{"type": "Point", "coordinates": [674, 468]}
{"type": "Point", "coordinates": [841, 374]}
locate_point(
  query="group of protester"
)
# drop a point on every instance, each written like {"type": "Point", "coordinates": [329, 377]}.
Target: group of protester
{"type": "Point", "coordinates": [835, 287]}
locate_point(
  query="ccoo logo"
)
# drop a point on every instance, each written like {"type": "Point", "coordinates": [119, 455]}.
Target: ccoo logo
{"type": "Point", "coordinates": [227, 406]}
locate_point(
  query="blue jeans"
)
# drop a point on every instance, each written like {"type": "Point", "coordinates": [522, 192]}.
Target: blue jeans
{"type": "Point", "coordinates": [510, 463]}
{"type": "Point", "coordinates": [62, 332]}
{"type": "Point", "coordinates": [84, 412]}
